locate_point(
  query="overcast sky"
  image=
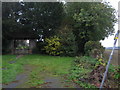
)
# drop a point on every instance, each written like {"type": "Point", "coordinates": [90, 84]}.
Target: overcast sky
{"type": "Point", "coordinates": [108, 42]}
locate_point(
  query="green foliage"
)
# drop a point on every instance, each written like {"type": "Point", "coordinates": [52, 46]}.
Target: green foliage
{"type": "Point", "coordinates": [117, 75]}
{"type": "Point", "coordinates": [53, 46]}
{"type": "Point", "coordinates": [82, 66]}
{"type": "Point", "coordinates": [39, 18]}
{"type": "Point", "coordinates": [100, 62]}
{"type": "Point", "coordinates": [91, 21]}
{"type": "Point", "coordinates": [22, 47]}
{"type": "Point", "coordinates": [67, 40]}
{"type": "Point", "coordinates": [86, 59]}
{"type": "Point", "coordinates": [93, 46]}
{"type": "Point", "coordinates": [21, 19]}
{"type": "Point", "coordinates": [115, 70]}
{"type": "Point", "coordinates": [86, 85]}
{"type": "Point", "coordinates": [40, 45]}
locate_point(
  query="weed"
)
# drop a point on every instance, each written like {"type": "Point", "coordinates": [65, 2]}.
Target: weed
{"type": "Point", "coordinates": [35, 79]}
{"type": "Point", "coordinates": [81, 68]}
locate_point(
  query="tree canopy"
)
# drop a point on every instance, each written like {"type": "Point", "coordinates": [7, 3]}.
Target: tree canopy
{"type": "Point", "coordinates": [87, 21]}
{"type": "Point", "coordinates": [41, 18]}
{"type": "Point", "coordinates": [91, 21]}
{"type": "Point", "coordinates": [21, 19]}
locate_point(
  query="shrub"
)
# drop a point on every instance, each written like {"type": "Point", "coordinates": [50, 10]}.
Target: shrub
{"type": "Point", "coordinates": [53, 46]}
{"type": "Point", "coordinates": [93, 48]}
{"type": "Point", "coordinates": [40, 45]}
{"type": "Point", "coordinates": [68, 41]}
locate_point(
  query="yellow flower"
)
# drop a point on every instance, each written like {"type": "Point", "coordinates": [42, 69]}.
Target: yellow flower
{"type": "Point", "coordinates": [100, 60]}
{"type": "Point", "coordinates": [103, 64]}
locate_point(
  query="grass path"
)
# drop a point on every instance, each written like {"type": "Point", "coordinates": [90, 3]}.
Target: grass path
{"type": "Point", "coordinates": [37, 71]}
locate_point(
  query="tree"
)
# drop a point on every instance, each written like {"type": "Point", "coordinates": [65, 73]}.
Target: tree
{"type": "Point", "coordinates": [9, 23]}
{"type": "Point", "coordinates": [67, 39]}
{"type": "Point", "coordinates": [68, 42]}
{"type": "Point", "coordinates": [31, 17]}
{"type": "Point", "coordinates": [43, 17]}
{"type": "Point", "coordinates": [91, 21]}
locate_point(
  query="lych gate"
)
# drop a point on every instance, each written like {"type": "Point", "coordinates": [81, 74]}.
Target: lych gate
{"type": "Point", "coordinates": [23, 43]}
{"type": "Point", "coordinates": [19, 46]}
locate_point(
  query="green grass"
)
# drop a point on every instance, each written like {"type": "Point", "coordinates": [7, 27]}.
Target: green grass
{"type": "Point", "coordinates": [6, 59]}
{"type": "Point", "coordinates": [11, 70]}
{"type": "Point", "coordinates": [54, 65]}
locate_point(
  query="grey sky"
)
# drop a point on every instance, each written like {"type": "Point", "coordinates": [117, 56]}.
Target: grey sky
{"type": "Point", "coordinates": [108, 42]}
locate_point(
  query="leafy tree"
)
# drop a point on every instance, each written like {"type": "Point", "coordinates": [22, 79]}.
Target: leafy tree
{"type": "Point", "coordinates": [41, 17]}
{"type": "Point", "coordinates": [9, 23]}
{"type": "Point", "coordinates": [91, 21]}
{"type": "Point", "coordinates": [31, 17]}
{"type": "Point", "coordinates": [67, 39]}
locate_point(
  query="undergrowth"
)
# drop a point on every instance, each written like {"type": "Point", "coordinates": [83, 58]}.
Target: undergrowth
{"type": "Point", "coordinates": [81, 68]}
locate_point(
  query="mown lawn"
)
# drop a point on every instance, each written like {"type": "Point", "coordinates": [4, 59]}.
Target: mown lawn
{"type": "Point", "coordinates": [53, 65]}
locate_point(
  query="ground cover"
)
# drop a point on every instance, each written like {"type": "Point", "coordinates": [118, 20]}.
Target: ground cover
{"type": "Point", "coordinates": [35, 67]}
{"type": "Point", "coordinates": [88, 73]}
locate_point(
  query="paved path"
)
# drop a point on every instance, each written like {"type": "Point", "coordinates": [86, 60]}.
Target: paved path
{"type": "Point", "coordinates": [50, 80]}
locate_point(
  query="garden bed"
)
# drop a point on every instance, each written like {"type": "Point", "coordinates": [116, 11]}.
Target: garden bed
{"type": "Point", "coordinates": [88, 73]}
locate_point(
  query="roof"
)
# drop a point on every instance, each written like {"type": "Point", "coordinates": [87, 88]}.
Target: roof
{"type": "Point", "coordinates": [23, 35]}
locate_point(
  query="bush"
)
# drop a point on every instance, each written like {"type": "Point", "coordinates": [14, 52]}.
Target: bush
{"type": "Point", "coordinates": [68, 41]}
{"type": "Point", "coordinates": [93, 48]}
{"type": "Point", "coordinates": [53, 46]}
{"type": "Point", "coordinates": [40, 45]}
